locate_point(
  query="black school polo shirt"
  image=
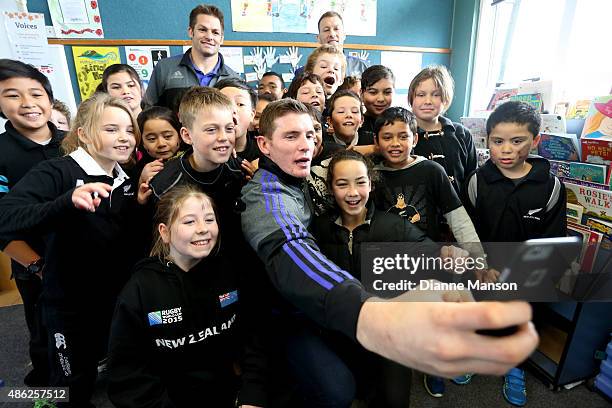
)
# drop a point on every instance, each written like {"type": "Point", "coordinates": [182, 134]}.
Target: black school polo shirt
{"type": "Point", "coordinates": [18, 154]}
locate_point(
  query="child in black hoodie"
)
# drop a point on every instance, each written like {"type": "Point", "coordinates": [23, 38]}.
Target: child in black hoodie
{"type": "Point", "coordinates": [180, 322]}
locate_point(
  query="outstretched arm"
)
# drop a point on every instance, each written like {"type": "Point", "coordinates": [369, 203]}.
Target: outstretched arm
{"type": "Point", "coordinates": [440, 338]}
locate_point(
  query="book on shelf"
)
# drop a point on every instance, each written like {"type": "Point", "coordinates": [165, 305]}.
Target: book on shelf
{"type": "Point", "coordinates": [579, 110]}
{"type": "Point", "coordinates": [561, 108]}
{"type": "Point", "coordinates": [500, 96]}
{"type": "Point", "coordinates": [478, 128]}
{"type": "Point", "coordinates": [534, 99]}
{"type": "Point", "coordinates": [542, 87]}
{"type": "Point", "coordinates": [596, 202]}
{"type": "Point", "coordinates": [590, 245]}
{"type": "Point", "coordinates": [553, 123]}
{"type": "Point", "coordinates": [596, 137]}
{"type": "Point", "coordinates": [595, 186]}
{"type": "Point", "coordinates": [593, 173]}
{"type": "Point", "coordinates": [596, 224]}
{"type": "Point", "coordinates": [559, 146]}
{"type": "Point", "coordinates": [574, 213]}
{"type": "Point", "coordinates": [482, 155]}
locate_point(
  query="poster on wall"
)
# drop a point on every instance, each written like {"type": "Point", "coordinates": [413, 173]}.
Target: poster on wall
{"type": "Point", "coordinates": [90, 63]}
{"type": "Point", "coordinates": [301, 16]}
{"type": "Point", "coordinates": [57, 72]}
{"type": "Point", "coordinates": [76, 18]}
{"type": "Point", "coordinates": [14, 5]}
{"type": "Point", "coordinates": [26, 35]}
{"type": "Point", "coordinates": [144, 59]}
{"type": "Point", "coordinates": [232, 56]}
{"type": "Point", "coordinates": [405, 65]}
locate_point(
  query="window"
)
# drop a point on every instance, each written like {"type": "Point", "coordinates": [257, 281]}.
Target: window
{"type": "Point", "coordinates": [566, 41]}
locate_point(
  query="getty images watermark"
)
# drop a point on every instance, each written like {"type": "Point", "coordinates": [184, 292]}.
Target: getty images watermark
{"type": "Point", "coordinates": [536, 271]}
{"type": "Point", "coordinates": [430, 267]}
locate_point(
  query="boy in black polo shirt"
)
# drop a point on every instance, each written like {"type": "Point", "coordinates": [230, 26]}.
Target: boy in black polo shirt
{"type": "Point", "coordinates": [26, 100]}
{"type": "Point", "coordinates": [513, 197]}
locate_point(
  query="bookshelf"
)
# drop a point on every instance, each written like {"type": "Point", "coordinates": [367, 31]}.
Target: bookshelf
{"type": "Point", "coordinates": [570, 333]}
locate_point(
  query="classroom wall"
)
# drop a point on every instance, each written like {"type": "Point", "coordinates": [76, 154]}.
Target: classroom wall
{"type": "Point", "coordinates": [463, 43]}
{"type": "Point", "coordinates": [413, 23]}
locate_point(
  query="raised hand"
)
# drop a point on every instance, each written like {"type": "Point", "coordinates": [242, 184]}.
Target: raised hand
{"type": "Point", "coordinates": [89, 196]}
{"type": "Point", "coordinates": [364, 56]}
{"type": "Point", "coordinates": [260, 70]}
{"type": "Point", "coordinates": [294, 57]}
{"type": "Point", "coordinates": [258, 56]}
{"type": "Point", "coordinates": [259, 61]}
{"type": "Point", "coordinates": [150, 170]}
{"type": "Point", "coordinates": [270, 56]}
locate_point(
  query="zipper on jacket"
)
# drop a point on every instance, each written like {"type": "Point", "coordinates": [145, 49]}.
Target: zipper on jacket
{"type": "Point", "coordinates": [350, 242]}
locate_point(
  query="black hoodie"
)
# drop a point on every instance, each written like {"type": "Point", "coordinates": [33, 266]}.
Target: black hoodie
{"type": "Point", "coordinates": [334, 239]}
{"type": "Point", "coordinates": [176, 335]}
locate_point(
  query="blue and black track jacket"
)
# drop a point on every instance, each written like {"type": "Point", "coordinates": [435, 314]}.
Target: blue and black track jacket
{"type": "Point", "coordinates": [275, 223]}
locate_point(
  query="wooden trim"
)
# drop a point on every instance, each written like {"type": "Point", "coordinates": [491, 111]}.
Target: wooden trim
{"type": "Point", "coordinates": [231, 43]}
{"type": "Point", "coordinates": [85, 41]}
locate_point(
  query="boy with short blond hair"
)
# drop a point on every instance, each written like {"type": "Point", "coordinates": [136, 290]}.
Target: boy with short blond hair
{"type": "Point", "coordinates": [329, 63]}
{"type": "Point", "coordinates": [207, 117]}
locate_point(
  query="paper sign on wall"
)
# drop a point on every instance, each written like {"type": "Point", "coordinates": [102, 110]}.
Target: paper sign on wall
{"type": "Point", "coordinates": [405, 65]}
{"type": "Point", "coordinates": [27, 37]}
{"type": "Point", "coordinates": [144, 59]}
{"type": "Point", "coordinates": [76, 18]}
{"type": "Point", "coordinates": [90, 63]}
{"type": "Point", "coordinates": [251, 76]}
{"type": "Point", "coordinates": [302, 16]}
{"type": "Point", "coordinates": [232, 56]}
{"type": "Point", "coordinates": [57, 72]}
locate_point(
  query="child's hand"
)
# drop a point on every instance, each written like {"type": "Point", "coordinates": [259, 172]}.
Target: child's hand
{"type": "Point", "coordinates": [144, 192]}
{"type": "Point", "coordinates": [255, 163]}
{"type": "Point", "coordinates": [150, 170]}
{"type": "Point", "coordinates": [248, 168]}
{"type": "Point", "coordinates": [455, 254]}
{"type": "Point", "coordinates": [364, 150]}
{"type": "Point", "coordinates": [89, 196]}
{"type": "Point", "coordinates": [487, 275]}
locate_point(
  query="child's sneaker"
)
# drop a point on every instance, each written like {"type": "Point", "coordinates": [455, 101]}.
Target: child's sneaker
{"type": "Point", "coordinates": [514, 387]}
{"type": "Point", "coordinates": [463, 379]}
{"type": "Point", "coordinates": [434, 385]}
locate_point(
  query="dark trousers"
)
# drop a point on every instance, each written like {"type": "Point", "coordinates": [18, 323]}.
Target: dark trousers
{"type": "Point", "coordinates": [332, 371]}
{"type": "Point", "coordinates": [30, 290]}
{"type": "Point", "coordinates": [78, 339]}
